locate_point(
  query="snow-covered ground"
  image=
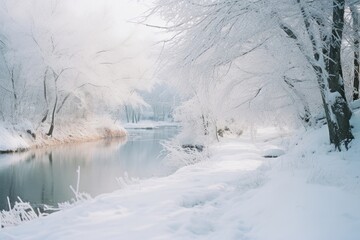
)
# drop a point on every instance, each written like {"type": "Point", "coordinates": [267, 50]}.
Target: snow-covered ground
{"type": "Point", "coordinates": [10, 139]}
{"type": "Point", "coordinates": [306, 193]}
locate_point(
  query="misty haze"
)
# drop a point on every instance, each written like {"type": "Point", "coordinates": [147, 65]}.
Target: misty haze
{"type": "Point", "coordinates": [179, 119]}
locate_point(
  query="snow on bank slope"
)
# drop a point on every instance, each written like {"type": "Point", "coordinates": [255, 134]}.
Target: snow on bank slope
{"type": "Point", "coordinates": [307, 193]}
{"type": "Point", "coordinates": [19, 137]}
{"type": "Point", "coordinates": [10, 139]}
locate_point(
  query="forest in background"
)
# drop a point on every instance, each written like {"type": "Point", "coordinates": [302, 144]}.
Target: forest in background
{"type": "Point", "coordinates": [61, 62]}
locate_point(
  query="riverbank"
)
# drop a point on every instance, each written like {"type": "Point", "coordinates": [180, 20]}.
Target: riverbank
{"type": "Point", "coordinates": [21, 137]}
{"type": "Point", "coordinates": [307, 193]}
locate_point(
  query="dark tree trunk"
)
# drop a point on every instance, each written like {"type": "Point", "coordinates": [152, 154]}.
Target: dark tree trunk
{"type": "Point", "coordinates": [356, 71]}
{"type": "Point", "coordinates": [52, 126]}
{"type": "Point", "coordinates": [332, 91]}
{"type": "Point", "coordinates": [45, 97]}
{"type": "Point", "coordinates": [355, 17]}
{"type": "Point", "coordinates": [339, 117]}
{"type": "Point", "coordinates": [14, 90]}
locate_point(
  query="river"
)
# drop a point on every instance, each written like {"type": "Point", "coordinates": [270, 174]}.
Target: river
{"type": "Point", "coordinates": [43, 176]}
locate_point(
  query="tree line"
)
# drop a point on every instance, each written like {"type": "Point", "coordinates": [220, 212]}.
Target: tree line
{"type": "Point", "coordinates": [62, 61]}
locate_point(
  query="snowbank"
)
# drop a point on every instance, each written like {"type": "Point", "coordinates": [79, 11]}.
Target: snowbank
{"type": "Point", "coordinates": [11, 140]}
{"type": "Point", "coordinates": [306, 193]}
{"type": "Point", "coordinates": [24, 136]}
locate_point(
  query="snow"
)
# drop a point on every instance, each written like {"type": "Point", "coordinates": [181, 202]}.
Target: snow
{"type": "Point", "coordinates": [355, 104]}
{"type": "Point", "coordinates": [9, 139]}
{"type": "Point", "coordinates": [307, 193]}
{"type": "Point", "coordinates": [17, 137]}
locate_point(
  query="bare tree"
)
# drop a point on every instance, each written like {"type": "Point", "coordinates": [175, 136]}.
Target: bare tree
{"type": "Point", "coordinates": [56, 77]}
{"type": "Point", "coordinates": [11, 71]}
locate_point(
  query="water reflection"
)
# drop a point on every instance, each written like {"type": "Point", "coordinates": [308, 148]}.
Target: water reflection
{"type": "Point", "coordinates": [44, 176]}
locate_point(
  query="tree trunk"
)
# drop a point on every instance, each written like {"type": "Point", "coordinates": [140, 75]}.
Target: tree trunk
{"type": "Point", "coordinates": [332, 91]}
{"type": "Point", "coordinates": [127, 114]}
{"type": "Point", "coordinates": [338, 113]}
{"type": "Point", "coordinates": [52, 126]}
{"type": "Point", "coordinates": [355, 17]}
{"type": "Point", "coordinates": [205, 125]}
{"type": "Point", "coordinates": [51, 130]}
{"type": "Point", "coordinates": [13, 86]}
{"type": "Point", "coordinates": [45, 97]}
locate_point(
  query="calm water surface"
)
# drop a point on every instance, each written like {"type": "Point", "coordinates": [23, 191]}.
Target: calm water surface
{"type": "Point", "coordinates": [44, 176]}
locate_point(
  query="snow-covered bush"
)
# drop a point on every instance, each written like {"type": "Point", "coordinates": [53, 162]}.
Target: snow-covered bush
{"type": "Point", "coordinates": [80, 197]}
{"type": "Point", "coordinates": [21, 212]}
{"type": "Point", "coordinates": [127, 181]}
{"type": "Point", "coordinates": [24, 212]}
{"type": "Point", "coordinates": [178, 154]}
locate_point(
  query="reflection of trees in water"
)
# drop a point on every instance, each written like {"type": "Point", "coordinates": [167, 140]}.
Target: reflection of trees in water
{"type": "Point", "coordinates": [52, 175]}
{"type": "Point", "coordinates": [44, 175]}
{"type": "Point", "coordinates": [11, 194]}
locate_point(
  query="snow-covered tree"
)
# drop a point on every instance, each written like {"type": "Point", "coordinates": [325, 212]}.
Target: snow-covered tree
{"type": "Point", "coordinates": [300, 40]}
{"type": "Point", "coordinates": [66, 60]}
